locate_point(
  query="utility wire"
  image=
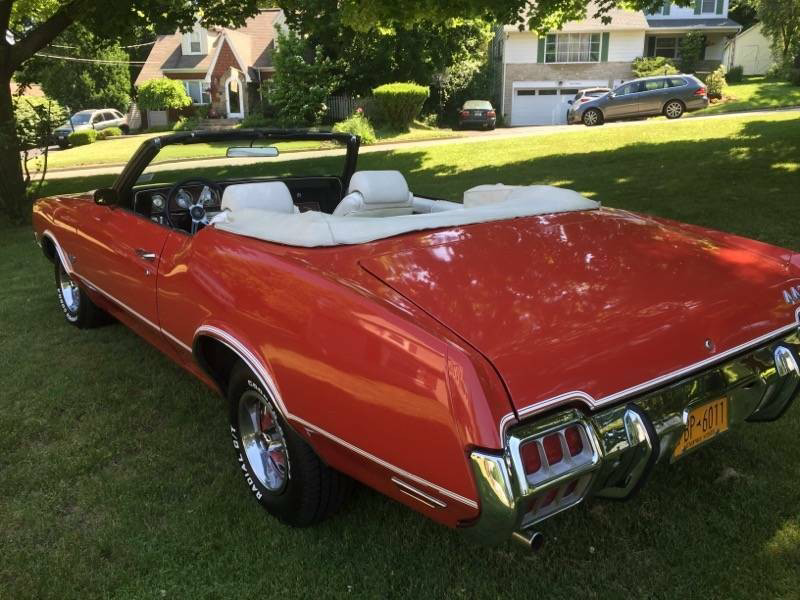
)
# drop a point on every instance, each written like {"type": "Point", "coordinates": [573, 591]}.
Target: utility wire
{"type": "Point", "coordinates": [92, 60]}
{"type": "Point", "coordinates": [77, 48]}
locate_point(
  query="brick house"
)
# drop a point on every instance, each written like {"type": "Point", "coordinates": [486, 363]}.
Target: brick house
{"type": "Point", "coordinates": [219, 67]}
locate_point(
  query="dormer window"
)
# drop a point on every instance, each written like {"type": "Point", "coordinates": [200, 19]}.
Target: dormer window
{"type": "Point", "coordinates": [195, 42]}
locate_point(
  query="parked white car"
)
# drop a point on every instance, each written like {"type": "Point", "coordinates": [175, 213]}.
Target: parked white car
{"type": "Point", "coordinates": [94, 118]}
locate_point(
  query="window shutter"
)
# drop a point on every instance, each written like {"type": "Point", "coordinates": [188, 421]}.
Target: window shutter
{"type": "Point", "coordinates": [540, 50]}
{"type": "Point", "coordinates": [698, 7]}
{"type": "Point", "coordinates": [666, 7]}
{"type": "Point", "coordinates": [720, 4]}
{"type": "Point", "coordinates": [604, 47]}
{"type": "Point", "coordinates": [651, 46]}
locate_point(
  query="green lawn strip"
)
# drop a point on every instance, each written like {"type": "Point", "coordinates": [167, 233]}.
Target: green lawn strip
{"type": "Point", "coordinates": [118, 150]}
{"type": "Point", "coordinates": [117, 480]}
{"type": "Point", "coordinates": [755, 93]}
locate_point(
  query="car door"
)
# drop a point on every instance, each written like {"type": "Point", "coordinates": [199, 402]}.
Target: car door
{"type": "Point", "coordinates": [624, 101]}
{"type": "Point", "coordinates": [651, 98]}
{"type": "Point", "coordinates": [97, 121]}
{"type": "Point", "coordinates": [119, 257]}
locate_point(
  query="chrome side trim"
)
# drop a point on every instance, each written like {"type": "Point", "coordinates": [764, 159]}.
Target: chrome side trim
{"type": "Point", "coordinates": [593, 403]}
{"type": "Point", "coordinates": [266, 380]}
{"type": "Point", "coordinates": [417, 494]}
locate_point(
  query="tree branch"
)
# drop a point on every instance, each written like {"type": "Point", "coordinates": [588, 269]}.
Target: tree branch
{"type": "Point", "coordinates": [44, 33]}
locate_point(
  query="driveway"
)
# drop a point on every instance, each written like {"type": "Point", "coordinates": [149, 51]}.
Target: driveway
{"type": "Point", "coordinates": [469, 137]}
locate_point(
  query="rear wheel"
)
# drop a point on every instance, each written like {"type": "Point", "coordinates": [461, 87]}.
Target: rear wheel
{"type": "Point", "coordinates": [125, 129]}
{"type": "Point", "coordinates": [77, 306]}
{"type": "Point", "coordinates": [592, 117]}
{"type": "Point", "coordinates": [281, 470]}
{"type": "Point", "coordinates": [673, 109]}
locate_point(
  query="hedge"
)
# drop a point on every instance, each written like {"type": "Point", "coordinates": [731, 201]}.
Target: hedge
{"type": "Point", "coordinates": [83, 137]}
{"type": "Point", "coordinates": [108, 132]}
{"type": "Point", "coordinates": [398, 104]}
{"type": "Point", "coordinates": [162, 94]}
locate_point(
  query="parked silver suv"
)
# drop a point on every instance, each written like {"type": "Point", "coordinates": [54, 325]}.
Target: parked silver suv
{"type": "Point", "coordinates": [94, 118]}
{"type": "Point", "coordinates": [668, 95]}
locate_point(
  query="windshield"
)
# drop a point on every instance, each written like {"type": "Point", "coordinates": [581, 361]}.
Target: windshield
{"type": "Point", "coordinates": [477, 104]}
{"type": "Point", "coordinates": [81, 118]}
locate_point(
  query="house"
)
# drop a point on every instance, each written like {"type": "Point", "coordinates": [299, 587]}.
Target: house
{"type": "Point", "coordinates": [541, 73]}
{"type": "Point", "coordinates": [751, 50]}
{"type": "Point", "coordinates": [218, 67]}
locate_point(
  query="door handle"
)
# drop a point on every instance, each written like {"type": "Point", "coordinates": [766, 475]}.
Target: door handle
{"type": "Point", "coordinates": [145, 254]}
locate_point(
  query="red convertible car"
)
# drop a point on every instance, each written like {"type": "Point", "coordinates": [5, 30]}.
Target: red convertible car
{"type": "Point", "coordinates": [489, 362]}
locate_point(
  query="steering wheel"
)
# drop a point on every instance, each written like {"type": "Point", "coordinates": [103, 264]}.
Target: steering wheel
{"type": "Point", "coordinates": [196, 211]}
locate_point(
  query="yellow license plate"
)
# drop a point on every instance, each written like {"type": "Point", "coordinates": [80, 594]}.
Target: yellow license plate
{"type": "Point", "coordinates": [703, 422]}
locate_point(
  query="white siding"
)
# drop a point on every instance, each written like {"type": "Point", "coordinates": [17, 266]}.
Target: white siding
{"type": "Point", "coordinates": [624, 46]}
{"type": "Point", "coordinates": [687, 12]}
{"type": "Point", "coordinates": [750, 50]}
{"type": "Point", "coordinates": [520, 48]}
{"type": "Point", "coordinates": [715, 48]}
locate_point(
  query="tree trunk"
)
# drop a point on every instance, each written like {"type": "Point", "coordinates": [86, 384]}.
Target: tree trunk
{"type": "Point", "coordinates": [13, 199]}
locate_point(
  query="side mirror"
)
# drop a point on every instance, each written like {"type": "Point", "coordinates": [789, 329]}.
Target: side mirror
{"type": "Point", "coordinates": [570, 101]}
{"type": "Point", "coordinates": [105, 196]}
{"type": "Point", "coordinates": [612, 94]}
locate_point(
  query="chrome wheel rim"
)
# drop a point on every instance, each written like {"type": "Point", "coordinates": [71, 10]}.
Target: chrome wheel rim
{"type": "Point", "coordinates": [673, 109]}
{"type": "Point", "coordinates": [590, 117]}
{"type": "Point", "coordinates": [70, 293]}
{"type": "Point", "coordinates": [263, 441]}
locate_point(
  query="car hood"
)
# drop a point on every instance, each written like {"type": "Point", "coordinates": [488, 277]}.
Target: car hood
{"type": "Point", "coordinates": [599, 302]}
{"type": "Point", "coordinates": [67, 127]}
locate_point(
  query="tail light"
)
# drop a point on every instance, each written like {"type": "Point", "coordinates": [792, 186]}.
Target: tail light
{"type": "Point", "coordinates": [464, 113]}
{"type": "Point", "coordinates": [584, 99]}
{"type": "Point", "coordinates": [700, 92]}
{"type": "Point", "coordinates": [491, 113]}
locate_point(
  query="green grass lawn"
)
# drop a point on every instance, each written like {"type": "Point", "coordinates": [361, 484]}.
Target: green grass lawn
{"type": "Point", "coordinates": [118, 150]}
{"type": "Point", "coordinates": [755, 93]}
{"type": "Point", "coordinates": [117, 478]}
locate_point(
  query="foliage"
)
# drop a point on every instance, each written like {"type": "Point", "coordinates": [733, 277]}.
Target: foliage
{"type": "Point", "coordinates": [794, 77]}
{"type": "Point", "coordinates": [81, 85]}
{"type": "Point", "coordinates": [715, 82]}
{"type": "Point", "coordinates": [301, 85]}
{"type": "Point", "coordinates": [254, 120]}
{"type": "Point", "coordinates": [735, 74]}
{"type": "Point", "coordinates": [162, 94]}
{"type": "Point", "coordinates": [35, 119]}
{"type": "Point", "coordinates": [187, 123]}
{"type": "Point", "coordinates": [691, 51]}
{"type": "Point", "coordinates": [357, 124]}
{"type": "Point", "coordinates": [82, 137]}
{"type": "Point", "coordinates": [109, 132]}
{"type": "Point", "coordinates": [778, 71]}
{"type": "Point", "coordinates": [398, 104]}
{"type": "Point", "coordinates": [780, 22]}
{"type": "Point", "coordinates": [743, 12]}
{"type": "Point", "coordinates": [645, 66]}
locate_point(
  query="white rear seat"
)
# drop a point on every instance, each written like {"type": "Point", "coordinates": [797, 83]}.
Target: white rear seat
{"type": "Point", "coordinates": [376, 194]}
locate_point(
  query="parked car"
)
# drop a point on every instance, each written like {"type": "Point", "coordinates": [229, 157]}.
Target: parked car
{"type": "Point", "coordinates": [588, 94]}
{"type": "Point", "coordinates": [477, 113]}
{"type": "Point", "coordinates": [480, 362]}
{"type": "Point", "coordinates": [668, 95]}
{"type": "Point", "coordinates": [96, 118]}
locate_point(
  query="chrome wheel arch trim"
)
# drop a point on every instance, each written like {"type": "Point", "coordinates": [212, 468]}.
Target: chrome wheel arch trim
{"type": "Point", "coordinates": [264, 377]}
{"type": "Point", "coordinates": [62, 256]}
{"type": "Point", "coordinates": [595, 403]}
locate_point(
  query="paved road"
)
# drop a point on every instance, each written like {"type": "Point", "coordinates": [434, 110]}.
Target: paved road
{"type": "Point", "coordinates": [469, 137]}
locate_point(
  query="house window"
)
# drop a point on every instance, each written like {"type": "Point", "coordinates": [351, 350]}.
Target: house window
{"type": "Point", "coordinates": [709, 6]}
{"type": "Point", "coordinates": [666, 47]}
{"type": "Point", "coordinates": [572, 47]}
{"type": "Point", "coordinates": [198, 91]}
{"type": "Point", "coordinates": [192, 42]}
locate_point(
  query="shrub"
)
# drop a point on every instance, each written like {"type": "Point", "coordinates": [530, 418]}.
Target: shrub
{"type": "Point", "coordinates": [202, 111]}
{"type": "Point", "coordinates": [255, 120]}
{"type": "Point", "coordinates": [35, 118]}
{"type": "Point", "coordinates": [778, 72]}
{"type": "Point", "coordinates": [653, 65]}
{"type": "Point", "coordinates": [186, 124]}
{"type": "Point", "coordinates": [357, 124]}
{"type": "Point", "coordinates": [735, 74]}
{"type": "Point", "coordinates": [82, 138]}
{"type": "Point", "coordinates": [398, 104]}
{"type": "Point", "coordinates": [162, 94]}
{"type": "Point", "coordinates": [691, 51]}
{"type": "Point", "coordinates": [715, 82]}
{"type": "Point", "coordinates": [108, 132]}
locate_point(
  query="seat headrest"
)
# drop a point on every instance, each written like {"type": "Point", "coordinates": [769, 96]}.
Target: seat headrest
{"type": "Point", "coordinates": [265, 195]}
{"type": "Point", "coordinates": [380, 187]}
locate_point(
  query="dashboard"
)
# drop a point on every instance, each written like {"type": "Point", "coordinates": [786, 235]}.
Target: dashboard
{"type": "Point", "coordinates": [152, 203]}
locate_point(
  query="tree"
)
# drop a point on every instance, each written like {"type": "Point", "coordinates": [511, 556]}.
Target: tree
{"type": "Point", "coordinates": [780, 21]}
{"type": "Point", "coordinates": [162, 94]}
{"type": "Point", "coordinates": [304, 78]}
{"type": "Point", "coordinates": [78, 84]}
{"type": "Point", "coordinates": [33, 24]}
{"type": "Point", "coordinates": [35, 119]}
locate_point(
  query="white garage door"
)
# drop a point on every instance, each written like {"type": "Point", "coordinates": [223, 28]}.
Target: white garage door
{"type": "Point", "coordinates": [540, 106]}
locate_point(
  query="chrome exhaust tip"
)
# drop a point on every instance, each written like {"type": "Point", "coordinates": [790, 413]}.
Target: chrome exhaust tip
{"type": "Point", "coordinates": [531, 540]}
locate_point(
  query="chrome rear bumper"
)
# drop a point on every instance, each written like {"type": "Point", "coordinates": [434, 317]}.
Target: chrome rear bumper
{"type": "Point", "coordinates": [625, 441]}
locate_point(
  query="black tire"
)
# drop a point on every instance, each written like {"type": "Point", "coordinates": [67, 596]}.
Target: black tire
{"type": "Point", "coordinates": [311, 491]}
{"type": "Point", "coordinates": [78, 308]}
{"type": "Point", "coordinates": [63, 145]}
{"type": "Point", "coordinates": [125, 129]}
{"type": "Point", "coordinates": [674, 109]}
{"type": "Point", "coordinates": [592, 117]}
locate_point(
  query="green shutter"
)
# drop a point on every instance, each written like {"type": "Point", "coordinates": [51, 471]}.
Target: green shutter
{"type": "Point", "coordinates": [719, 6]}
{"type": "Point", "coordinates": [698, 7]}
{"type": "Point", "coordinates": [666, 7]}
{"type": "Point", "coordinates": [604, 47]}
{"type": "Point", "coordinates": [540, 51]}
